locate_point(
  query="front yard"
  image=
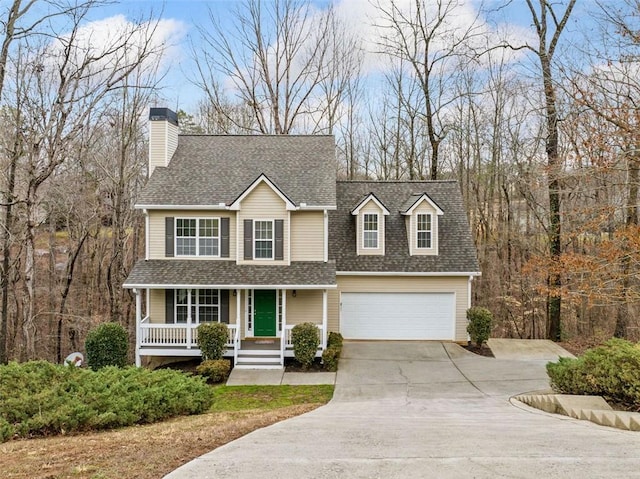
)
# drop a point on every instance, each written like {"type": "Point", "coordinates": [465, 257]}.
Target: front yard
{"type": "Point", "coordinates": [151, 451]}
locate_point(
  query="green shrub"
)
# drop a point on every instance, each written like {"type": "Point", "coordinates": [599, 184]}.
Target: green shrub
{"type": "Point", "coordinates": [331, 355]}
{"type": "Point", "coordinates": [40, 398]}
{"type": "Point", "coordinates": [305, 339]}
{"type": "Point", "coordinates": [216, 370]}
{"type": "Point", "coordinates": [107, 345]}
{"type": "Point", "coordinates": [212, 340]}
{"type": "Point", "coordinates": [479, 327]}
{"type": "Point", "coordinates": [334, 339]}
{"type": "Point", "coordinates": [330, 358]}
{"type": "Point", "coordinates": [611, 370]}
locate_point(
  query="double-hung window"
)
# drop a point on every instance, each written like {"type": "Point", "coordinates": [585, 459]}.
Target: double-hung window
{"type": "Point", "coordinates": [263, 239]}
{"type": "Point", "coordinates": [205, 305]}
{"type": "Point", "coordinates": [370, 230]}
{"type": "Point", "coordinates": [423, 231]}
{"type": "Point", "coordinates": [197, 237]}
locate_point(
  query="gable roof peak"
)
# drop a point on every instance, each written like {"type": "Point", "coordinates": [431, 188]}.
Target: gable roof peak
{"type": "Point", "coordinates": [235, 204]}
{"type": "Point", "coordinates": [415, 199]}
{"type": "Point", "coordinates": [370, 197]}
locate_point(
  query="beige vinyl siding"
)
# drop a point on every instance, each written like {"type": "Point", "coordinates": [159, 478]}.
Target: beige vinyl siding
{"type": "Point", "coordinates": [307, 236]}
{"type": "Point", "coordinates": [263, 204]}
{"type": "Point", "coordinates": [163, 141]}
{"type": "Point", "coordinates": [157, 231]}
{"type": "Point", "coordinates": [157, 306]}
{"type": "Point", "coordinates": [423, 208]}
{"type": "Point", "coordinates": [370, 207]}
{"type": "Point", "coordinates": [403, 284]}
{"type": "Point", "coordinates": [305, 307]}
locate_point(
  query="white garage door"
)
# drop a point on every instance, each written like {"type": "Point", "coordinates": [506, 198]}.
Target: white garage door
{"type": "Point", "coordinates": [398, 316]}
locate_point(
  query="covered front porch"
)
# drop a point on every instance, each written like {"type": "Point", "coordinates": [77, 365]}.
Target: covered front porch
{"type": "Point", "coordinates": [256, 341]}
{"type": "Point", "coordinates": [259, 316]}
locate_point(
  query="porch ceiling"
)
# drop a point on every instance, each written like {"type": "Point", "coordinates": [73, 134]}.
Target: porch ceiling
{"type": "Point", "coordinates": [176, 273]}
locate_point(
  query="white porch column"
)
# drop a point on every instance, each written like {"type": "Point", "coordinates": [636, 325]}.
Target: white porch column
{"type": "Point", "coordinates": [238, 320]}
{"type": "Point", "coordinates": [189, 319]}
{"type": "Point", "coordinates": [284, 314]}
{"type": "Point", "coordinates": [138, 327]}
{"type": "Point", "coordinates": [324, 319]}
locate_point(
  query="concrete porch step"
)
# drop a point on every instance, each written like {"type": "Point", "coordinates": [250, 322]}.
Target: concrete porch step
{"type": "Point", "coordinates": [258, 366]}
{"type": "Point", "coordinates": [258, 359]}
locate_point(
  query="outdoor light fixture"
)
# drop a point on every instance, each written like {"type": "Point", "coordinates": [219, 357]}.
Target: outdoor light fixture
{"type": "Point", "coordinates": [235, 292]}
{"type": "Point", "coordinates": [294, 293]}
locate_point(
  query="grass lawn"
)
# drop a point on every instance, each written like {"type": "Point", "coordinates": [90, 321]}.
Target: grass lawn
{"type": "Point", "coordinates": [151, 451]}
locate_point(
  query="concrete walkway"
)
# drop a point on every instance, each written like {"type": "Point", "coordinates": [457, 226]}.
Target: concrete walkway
{"type": "Point", "coordinates": [268, 377]}
{"type": "Point", "coordinates": [421, 410]}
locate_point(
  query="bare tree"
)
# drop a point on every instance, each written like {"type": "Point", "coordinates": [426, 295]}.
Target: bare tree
{"type": "Point", "coordinates": [60, 85]}
{"type": "Point", "coordinates": [275, 55]}
{"type": "Point", "coordinates": [428, 38]}
{"type": "Point", "coordinates": [549, 25]}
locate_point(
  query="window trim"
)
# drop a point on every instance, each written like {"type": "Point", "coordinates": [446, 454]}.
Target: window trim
{"type": "Point", "coordinates": [377, 231]}
{"type": "Point", "coordinates": [197, 237]}
{"type": "Point", "coordinates": [430, 231]}
{"type": "Point", "coordinates": [195, 303]}
{"type": "Point", "coordinates": [272, 240]}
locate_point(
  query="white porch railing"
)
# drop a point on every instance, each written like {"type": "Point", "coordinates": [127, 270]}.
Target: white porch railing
{"type": "Point", "coordinates": [178, 335]}
{"type": "Point", "coordinates": [286, 337]}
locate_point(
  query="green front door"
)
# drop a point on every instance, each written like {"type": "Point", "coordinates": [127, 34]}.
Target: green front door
{"type": "Point", "coordinates": [264, 315]}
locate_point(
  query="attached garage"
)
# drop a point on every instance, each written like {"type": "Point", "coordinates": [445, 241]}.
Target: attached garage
{"type": "Point", "coordinates": [398, 316]}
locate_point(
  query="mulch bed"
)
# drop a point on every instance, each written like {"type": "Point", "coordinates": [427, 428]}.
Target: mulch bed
{"type": "Point", "coordinates": [293, 366]}
{"type": "Point", "coordinates": [483, 351]}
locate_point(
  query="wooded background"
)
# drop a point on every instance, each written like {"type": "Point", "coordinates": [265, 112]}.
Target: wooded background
{"type": "Point", "coordinates": [541, 130]}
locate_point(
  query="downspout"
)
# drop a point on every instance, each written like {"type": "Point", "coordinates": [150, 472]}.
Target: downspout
{"type": "Point", "coordinates": [326, 236]}
{"type": "Point", "coordinates": [146, 233]}
{"type": "Point", "coordinates": [138, 327]}
{"type": "Point", "coordinates": [469, 300]}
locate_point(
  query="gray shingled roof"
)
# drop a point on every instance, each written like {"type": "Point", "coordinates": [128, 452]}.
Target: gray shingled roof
{"type": "Point", "coordinates": [212, 169]}
{"type": "Point", "coordinates": [457, 252]}
{"type": "Point", "coordinates": [186, 272]}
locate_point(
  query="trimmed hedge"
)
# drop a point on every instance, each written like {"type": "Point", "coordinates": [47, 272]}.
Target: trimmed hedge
{"type": "Point", "coordinates": [305, 339]}
{"type": "Point", "coordinates": [215, 370]}
{"type": "Point", "coordinates": [479, 327]}
{"type": "Point", "coordinates": [331, 355]}
{"type": "Point", "coordinates": [212, 340]}
{"type": "Point", "coordinates": [107, 345]}
{"type": "Point", "coordinates": [611, 370]}
{"type": "Point", "coordinates": [40, 398]}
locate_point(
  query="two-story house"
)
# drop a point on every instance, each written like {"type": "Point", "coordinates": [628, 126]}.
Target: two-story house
{"type": "Point", "coordinates": [255, 232]}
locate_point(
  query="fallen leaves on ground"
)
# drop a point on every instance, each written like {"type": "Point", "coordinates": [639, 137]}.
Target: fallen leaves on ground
{"type": "Point", "coordinates": [143, 452]}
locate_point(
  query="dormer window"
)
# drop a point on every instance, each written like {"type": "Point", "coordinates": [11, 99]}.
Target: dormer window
{"type": "Point", "coordinates": [422, 215]}
{"type": "Point", "coordinates": [370, 233]}
{"type": "Point", "coordinates": [423, 239]}
{"type": "Point", "coordinates": [370, 216]}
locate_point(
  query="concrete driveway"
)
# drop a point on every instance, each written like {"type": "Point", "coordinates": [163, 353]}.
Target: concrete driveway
{"type": "Point", "coordinates": [426, 410]}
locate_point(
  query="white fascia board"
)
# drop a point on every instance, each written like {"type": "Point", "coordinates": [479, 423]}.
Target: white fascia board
{"type": "Point", "coordinates": [370, 197]}
{"type": "Point", "coordinates": [230, 286]}
{"type": "Point", "coordinates": [316, 208]}
{"type": "Point", "coordinates": [426, 198]}
{"type": "Point", "coordinates": [182, 207]}
{"type": "Point", "coordinates": [408, 273]}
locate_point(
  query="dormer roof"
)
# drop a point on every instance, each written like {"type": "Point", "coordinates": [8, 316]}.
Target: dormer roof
{"type": "Point", "coordinates": [367, 199]}
{"type": "Point", "coordinates": [414, 201]}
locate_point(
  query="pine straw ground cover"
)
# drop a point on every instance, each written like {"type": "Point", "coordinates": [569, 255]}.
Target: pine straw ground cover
{"type": "Point", "coordinates": [151, 451]}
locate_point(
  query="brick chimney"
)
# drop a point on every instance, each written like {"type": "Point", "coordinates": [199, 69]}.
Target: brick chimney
{"type": "Point", "coordinates": [163, 137]}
